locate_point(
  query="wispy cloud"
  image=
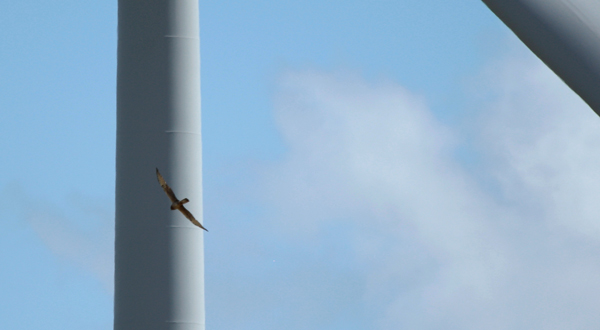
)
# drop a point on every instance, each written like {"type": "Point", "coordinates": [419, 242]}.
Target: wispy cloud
{"type": "Point", "coordinates": [81, 233]}
{"type": "Point", "coordinates": [434, 247]}
{"type": "Point", "coordinates": [543, 144]}
{"type": "Point", "coordinates": [375, 223]}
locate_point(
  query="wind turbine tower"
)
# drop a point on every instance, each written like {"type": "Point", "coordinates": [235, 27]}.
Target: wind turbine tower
{"type": "Point", "coordinates": [159, 254]}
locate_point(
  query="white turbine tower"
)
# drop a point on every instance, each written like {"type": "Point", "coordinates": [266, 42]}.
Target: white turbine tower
{"type": "Point", "coordinates": [159, 254]}
{"type": "Point", "coordinates": [565, 34]}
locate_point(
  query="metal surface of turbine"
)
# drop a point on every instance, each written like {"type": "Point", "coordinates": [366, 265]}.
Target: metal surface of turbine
{"type": "Point", "coordinates": [565, 34]}
{"type": "Point", "coordinates": [159, 254]}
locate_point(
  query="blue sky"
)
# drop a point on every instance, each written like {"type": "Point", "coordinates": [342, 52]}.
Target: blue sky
{"type": "Point", "coordinates": [367, 165]}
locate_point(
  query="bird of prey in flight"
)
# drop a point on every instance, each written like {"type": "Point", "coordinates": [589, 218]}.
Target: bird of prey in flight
{"type": "Point", "coordinates": [177, 204]}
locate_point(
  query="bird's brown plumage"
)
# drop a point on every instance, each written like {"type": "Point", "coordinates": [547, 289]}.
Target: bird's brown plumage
{"type": "Point", "coordinates": [176, 203]}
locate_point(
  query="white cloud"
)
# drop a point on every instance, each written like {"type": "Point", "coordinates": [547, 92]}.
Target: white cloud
{"type": "Point", "coordinates": [374, 222]}
{"type": "Point", "coordinates": [65, 234]}
{"type": "Point", "coordinates": [435, 249]}
{"type": "Point", "coordinates": [544, 143]}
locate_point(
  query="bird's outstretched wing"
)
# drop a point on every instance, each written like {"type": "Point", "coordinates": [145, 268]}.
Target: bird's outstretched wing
{"type": "Point", "coordinates": [166, 187]}
{"type": "Point", "coordinates": [190, 217]}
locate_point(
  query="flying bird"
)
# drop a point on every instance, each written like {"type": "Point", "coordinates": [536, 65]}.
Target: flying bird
{"type": "Point", "coordinates": [177, 204]}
